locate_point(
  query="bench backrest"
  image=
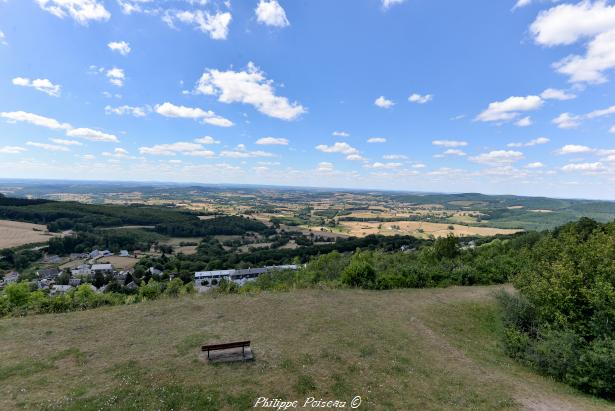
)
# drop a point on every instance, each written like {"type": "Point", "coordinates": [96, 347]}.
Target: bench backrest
{"type": "Point", "coordinates": [214, 347]}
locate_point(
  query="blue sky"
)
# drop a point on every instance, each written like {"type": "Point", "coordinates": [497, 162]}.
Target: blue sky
{"type": "Point", "coordinates": [493, 96]}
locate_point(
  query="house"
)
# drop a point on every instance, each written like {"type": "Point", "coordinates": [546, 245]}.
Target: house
{"type": "Point", "coordinates": [238, 276]}
{"type": "Point", "coordinates": [106, 253]}
{"type": "Point", "coordinates": [59, 289]}
{"type": "Point", "coordinates": [78, 256]}
{"type": "Point", "coordinates": [74, 282]}
{"type": "Point", "coordinates": [82, 270]}
{"type": "Point", "coordinates": [52, 259]}
{"type": "Point", "coordinates": [11, 277]}
{"type": "Point", "coordinates": [94, 254]}
{"type": "Point", "coordinates": [132, 286]}
{"type": "Point", "coordinates": [102, 269]}
{"type": "Point", "coordinates": [124, 253]}
{"type": "Point", "coordinates": [48, 273]}
{"type": "Point", "coordinates": [154, 271]}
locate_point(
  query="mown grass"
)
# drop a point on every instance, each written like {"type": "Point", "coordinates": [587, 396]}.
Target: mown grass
{"type": "Point", "coordinates": [408, 349]}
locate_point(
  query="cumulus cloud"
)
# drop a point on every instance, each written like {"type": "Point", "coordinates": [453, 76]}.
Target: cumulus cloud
{"type": "Point", "coordinates": [340, 134]}
{"type": "Point", "coordinates": [343, 148]}
{"type": "Point", "coordinates": [524, 122]}
{"type": "Point", "coordinates": [375, 140]}
{"type": "Point", "coordinates": [420, 99]}
{"type": "Point", "coordinates": [556, 94]}
{"type": "Point", "coordinates": [65, 142]}
{"type": "Point", "coordinates": [271, 13]}
{"type": "Point", "coordinates": [47, 147]}
{"type": "Point", "coordinates": [82, 11]}
{"type": "Point", "coordinates": [249, 86]}
{"type": "Point", "coordinates": [11, 150]}
{"type": "Point", "coordinates": [574, 149]}
{"type": "Point", "coordinates": [207, 140]}
{"type": "Point", "coordinates": [597, 166]}
{"type": "Point", "coordinates": [3, 39]}
{"type": "Point", "coordinates": [454, 152]}
{"type": "Point", "coordinates": [171, 149]}
{"type": "Point", "coordinates": [389, 3]}
{"type": "Point", "coordinates": [566, 24]}
{"type": "Point", "coordinates": [498, 157]}
{"type": "Point", "coordinates": [44, 85]}
{"type": "Point", "coordinates": [394, 157]}
{"type": "Point", "coordinates": [170, 110]}
{"type": "Point", "coordinates": [121, 47]}
{"type": "Point", "coordinates": [116, 76]}
{"type": "Point", "coordinates": [241, 152]}
{"type": "Point", "coordinates": [272, 141]}
{"type": "Point", "coordinates": [534, 142]}
{"type": "Point", "coordinates": [510, 108]}
{"type": "Point", "coordinates": [383, 102]}
{"type": "Point", "coordinates": [92, 135]}
{"type": "Point", "coordinates": [216, 25]}
{"type": "Point", "coordinates": [568, 120]}
{"type": "Point", "coordinates": [324, 167]}
{"type": "Point", "coordinates": [22, 116]}
{"type": "Point", "coordinates": [384, 165]}
{"type": "Point", "coordinates": [449, 143]}
{"type": "Point", "coordinates": [128, 110]}
{"type": "Point", "coordinates": [536, 164]}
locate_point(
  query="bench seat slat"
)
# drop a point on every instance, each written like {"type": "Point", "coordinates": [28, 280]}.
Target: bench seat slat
{"type": "Point", "coordinates": [224, 346]}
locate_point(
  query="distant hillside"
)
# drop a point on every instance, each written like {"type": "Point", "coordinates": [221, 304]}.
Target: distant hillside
{"type": "Point", "coordinates": [404, 350]}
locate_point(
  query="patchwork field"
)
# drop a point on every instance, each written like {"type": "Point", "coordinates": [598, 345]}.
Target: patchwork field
{"type": "Point", "coordinates": [419, 229]}
{"type": "Point", "coordinates": [15, 233]}
{"type": "Point", "coordinates": [430, 349]}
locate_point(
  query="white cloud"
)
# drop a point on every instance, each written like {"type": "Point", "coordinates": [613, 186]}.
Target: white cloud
{"type": "Point", "coordinates": [64, 142]}
{"type": "Point", "coordinates": [340, 134]}
{"type": "Point", "coordinates": [39, 84]}
{"type": "Point", "coordinates": [574, 149]}
{"type": "Point", "coordinates": [121, 47]}
{"type": "Point", "coordinates": [535, 142]}
{"type": "Point", "coordinates": [248, 87]}
{"type": "Point", "coordinates": [597, 166]}
{"type": "Point", "coordinates": [510, 108]}
{"type": "Point", "coordinates": [394, 157]}
{"type": "Point", "coordinates": [207, 140]}
{"type": "Point", "coordinates": [128, 110]}
{"type": "Point", "coordinates": [216, 25]}
{"type": "Point", "coordinates": [612, 129]}
{"type": "Point", "coordinates": [556, 94]}
{"type": "Point", "coordinates": [11, 150]}
{"type": "Point", "coordinates": [600, 113]}
{"type": "Point", "coordinates": [241, 152]}
{"type": "Point", "coordinates": [116, 76]}
{"type": "Point", "coordinates": [449, 143]}
{"type": "Point", "coordinates": [384, 165]}
{"type": "Point", "coordinates": [117, 153]}
{"type": "Point", "coordinates": [47, 147]}
{"type": "Point", "coordinates": [171, 149]}
{"type": "Point", "coordinates": [92, 135]}
{"type": "Point", "coordinates": [454, 152]}
{"type": "Point", "coordinates": [15, 116]}
{"type": "Point", "coordinates": [420, 99]}
{"type": "Point", "coordinates": [375, 140]}
{"type": "Point", "coordinates": [536, 164]}
{"type": "Point", "coordinates": [382, 102]}
{"type": "Point", "coordinates": [590, 68]}
{"type": "Point", "coordinates": [82, 11]}
{"type": "Point", "coordinates": [343, 148]}
{"type": "Point", "coordinates": [522, 3]}
{"type": "Point", "coordinates": [209, 117]}
{"type": "Point", "coordinates": [355, 157]}
{"type": "Point", "coordinates": [324, 167]}
{"type": "Point", "coordinates": [389, 3]}
{"type": "Point", "coordinates": [272, 141]}
{"type": "Point", "coordinates": [270, 12]}
{"type": "Point", "coordinates": [567, 120]}
{"type": "Point", "coordinates": [567, 23]}
{"type": "Point", "coordinates": [3, 39]}
{"type": "Point", "coordinates": [498, 157]}
{"type": "Point", "coordinates": [524, 122]}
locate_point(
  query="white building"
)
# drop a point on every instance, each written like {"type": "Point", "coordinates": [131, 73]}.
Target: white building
{"type": "Point", "coordinates": [238, 276]}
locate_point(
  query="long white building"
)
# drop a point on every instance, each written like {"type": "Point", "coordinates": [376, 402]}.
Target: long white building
{"type": "Point", "coordinates": [238, 276]}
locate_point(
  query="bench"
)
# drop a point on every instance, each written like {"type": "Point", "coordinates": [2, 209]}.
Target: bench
{"type": "Point", "coordinates": [226, 346]}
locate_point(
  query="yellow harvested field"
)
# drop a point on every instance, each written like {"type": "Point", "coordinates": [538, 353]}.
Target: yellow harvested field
{"type": "Point", "coordinates": [15, 233]}
{"type": "Point", "coordinates": [120, 263]}
{"type": "Point", "coordinates": [420, 229]}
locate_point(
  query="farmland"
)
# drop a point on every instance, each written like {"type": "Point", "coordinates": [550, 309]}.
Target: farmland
{"type": "Point", "coordinates": [15, 234]}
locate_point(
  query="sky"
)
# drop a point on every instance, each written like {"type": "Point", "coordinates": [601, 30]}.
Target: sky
{"type": "Point", "coordinates": [498, 97]}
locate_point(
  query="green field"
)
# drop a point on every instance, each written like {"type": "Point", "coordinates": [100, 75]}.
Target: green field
{"type": "Point", "coordinates": [405, 349]}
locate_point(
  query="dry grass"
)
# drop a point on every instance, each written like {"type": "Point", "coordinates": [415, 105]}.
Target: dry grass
{"type": "Point", "coordinates": [15, 233]}
{"type": "Point", "coordinates": [120, 263]}
{"type": "Point", "coordinates": [405, 350]}
{"type": "Point", "coordinates": [419, 229]}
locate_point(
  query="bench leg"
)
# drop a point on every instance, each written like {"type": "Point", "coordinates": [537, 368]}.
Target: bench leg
{"type": "Point", "coordinates": [243, 351]}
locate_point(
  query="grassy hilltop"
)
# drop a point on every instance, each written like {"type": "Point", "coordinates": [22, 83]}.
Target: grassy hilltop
{"type": "Point", "coordinates": [403, 349]}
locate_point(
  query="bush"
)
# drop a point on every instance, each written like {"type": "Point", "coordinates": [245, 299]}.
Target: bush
{"type": "Point", "coordinates": [359, 274]}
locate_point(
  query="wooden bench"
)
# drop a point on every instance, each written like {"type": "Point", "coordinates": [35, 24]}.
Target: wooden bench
{"type": "Point", "coordinates": [226, 346]}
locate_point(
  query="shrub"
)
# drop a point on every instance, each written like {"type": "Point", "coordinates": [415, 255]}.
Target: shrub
{"type": "Point", "coordinates": [359, 274]}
